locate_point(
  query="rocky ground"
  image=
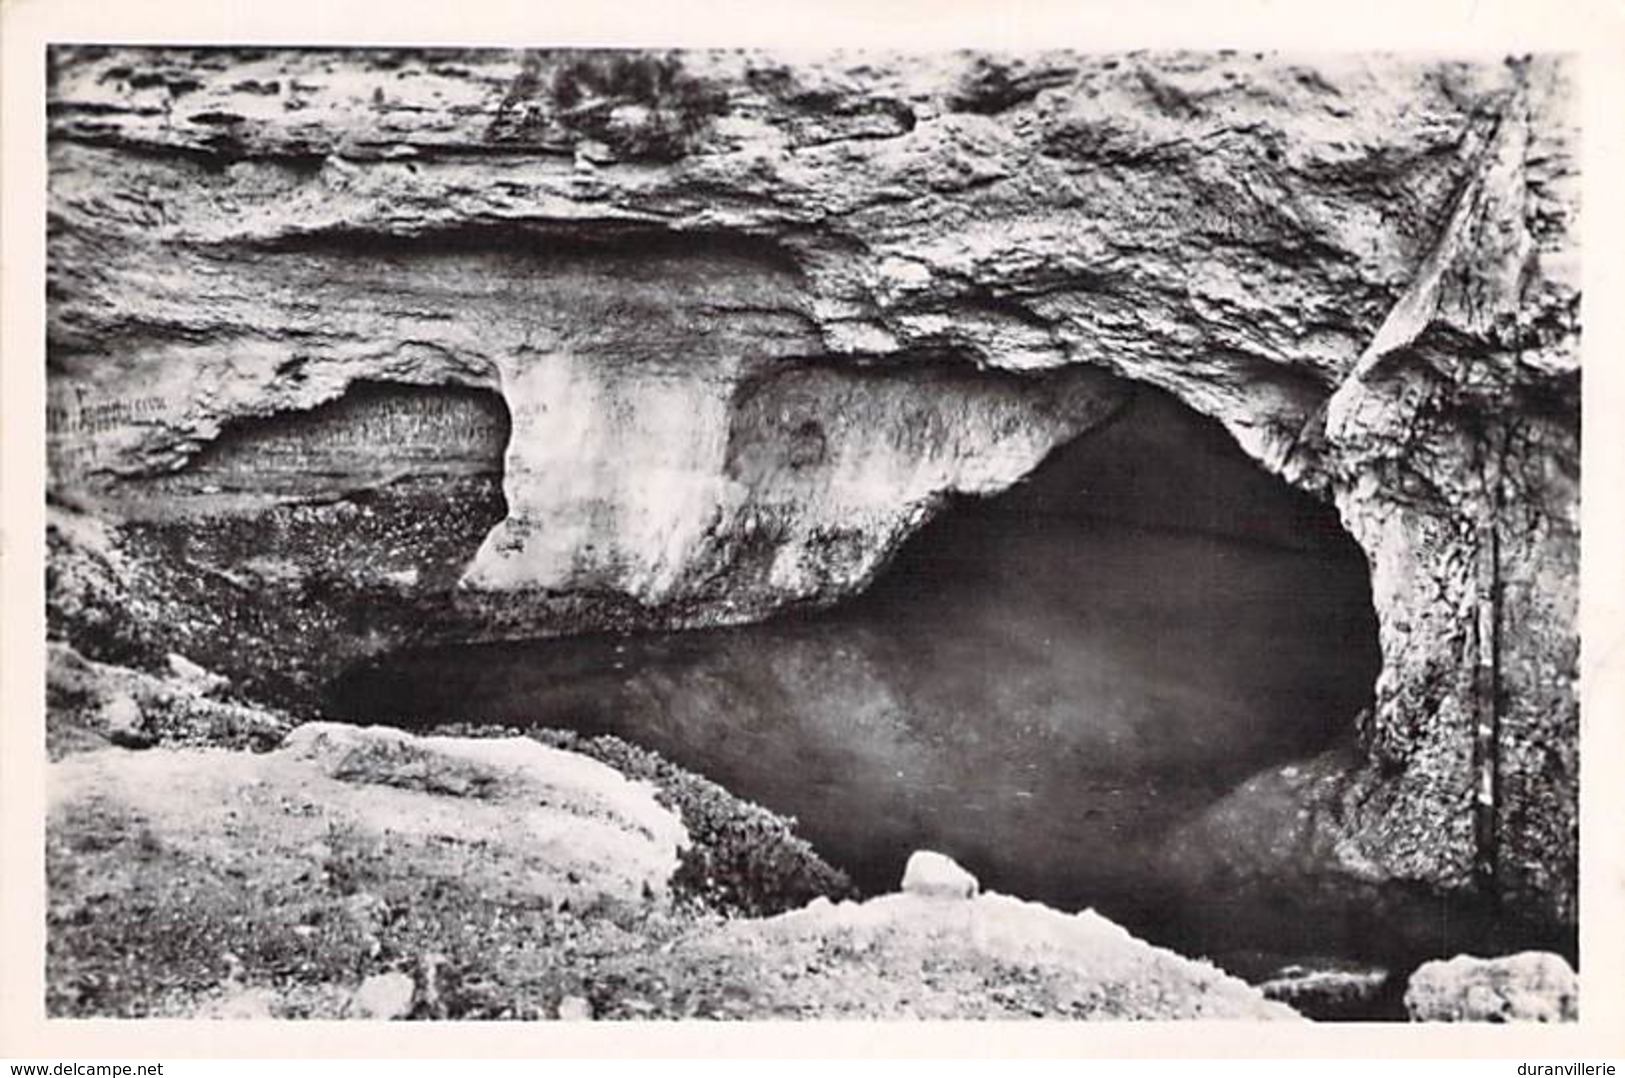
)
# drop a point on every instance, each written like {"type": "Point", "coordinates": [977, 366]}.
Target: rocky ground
{"type": "Point", "coordinates": [368, 873]}
{"type": "Point", "coordinates": [208, 856]}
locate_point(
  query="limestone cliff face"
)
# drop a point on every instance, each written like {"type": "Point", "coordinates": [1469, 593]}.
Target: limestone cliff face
{"type": "Point", "coordinates": [748, 319]}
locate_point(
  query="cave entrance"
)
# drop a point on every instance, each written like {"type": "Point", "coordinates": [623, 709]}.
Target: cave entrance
{"type": "Point", "coordinates": [1045, 684]}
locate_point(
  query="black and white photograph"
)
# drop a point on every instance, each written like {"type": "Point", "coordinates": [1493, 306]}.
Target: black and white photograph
{"type": "Point", "coordinates": [554, 533]}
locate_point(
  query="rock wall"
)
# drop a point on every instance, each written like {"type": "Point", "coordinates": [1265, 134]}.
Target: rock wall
{"type": "Point", "coordinates": [753, 316]}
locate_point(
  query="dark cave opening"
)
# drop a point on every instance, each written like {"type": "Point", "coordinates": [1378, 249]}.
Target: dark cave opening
{"type": "Point", "coordinates": [1045, 684]}
{"type": "Point", "coordinates": [1210, 577]}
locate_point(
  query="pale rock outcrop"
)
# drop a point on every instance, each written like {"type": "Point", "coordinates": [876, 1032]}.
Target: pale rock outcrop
{"type": "Point", "coordinates": [570, 805]}
{"type": "Point", "coordinates": [507, 815]}
{"type": "Point", "coordinates": [1533, 986]}
{"type": "Point", "coordinates": [194, 678]}
{"type": "Point", "coordinates": [91, 704]}
{"type": "Point", "coordinates": [906, 956]}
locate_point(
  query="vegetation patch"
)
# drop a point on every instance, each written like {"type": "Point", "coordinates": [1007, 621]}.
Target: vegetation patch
{"type": "Point", "coordinates": [640, 106]}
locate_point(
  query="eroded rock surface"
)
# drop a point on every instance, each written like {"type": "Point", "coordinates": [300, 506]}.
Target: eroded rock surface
{"type": "Point", "coordinates": [91, 704]}
{"type": "Point", "coordinates": [751, 318]}
{"type": "Point", "coordinates": [364, 873]}
{"type": "Point", "coordinates": [1532, 986]}
{"type": "Point", "coordinates": [506, 815]}
{"type": "Point", "coordinates": [299, 882]}
{"type": "Point", "coordinates": [907, 956]}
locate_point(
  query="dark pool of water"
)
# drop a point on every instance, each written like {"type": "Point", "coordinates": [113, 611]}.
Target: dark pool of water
{"type": "Point", "coordinates": [1043, 698]}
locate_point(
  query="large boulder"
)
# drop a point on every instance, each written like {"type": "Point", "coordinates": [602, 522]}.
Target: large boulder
{"type": "Point", "coordinates": [502, 816]}
{"type": "Point", "coordinates": [1534, 986]}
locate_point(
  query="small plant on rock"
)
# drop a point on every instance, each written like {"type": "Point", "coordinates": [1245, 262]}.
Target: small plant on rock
{"type": "Point", "coordinates": [638, 105]}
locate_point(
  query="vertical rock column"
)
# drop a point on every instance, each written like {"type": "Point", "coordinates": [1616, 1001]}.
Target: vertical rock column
{"type": "Point", "coordinates": [1455, 444]}
{"type": "Point", "coordinates": [613, 476]}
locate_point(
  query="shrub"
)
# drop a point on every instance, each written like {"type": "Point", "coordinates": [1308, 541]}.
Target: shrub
{"type": "Point", "coordinates": [743, 859]}
{"type": "Point", "coordinates": [638, 104]}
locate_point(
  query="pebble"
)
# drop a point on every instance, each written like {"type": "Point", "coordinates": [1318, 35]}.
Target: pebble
{"type": "Point", "coordinates": [248, 1005]}
{"type": "Point", "coordinates": [383, 996]}
{"type": "Point", "coordinates": [575, 1009]}
{"type": "Point", "coordinates": [123, 723]}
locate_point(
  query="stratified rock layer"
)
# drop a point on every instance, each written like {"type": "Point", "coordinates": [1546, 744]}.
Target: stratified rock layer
{"type": "Point", "coordinates": [752, 318]}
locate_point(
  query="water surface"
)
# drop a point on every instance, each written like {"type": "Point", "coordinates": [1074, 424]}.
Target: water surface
{"type": "Point", "coordinates": [1041, 698]}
